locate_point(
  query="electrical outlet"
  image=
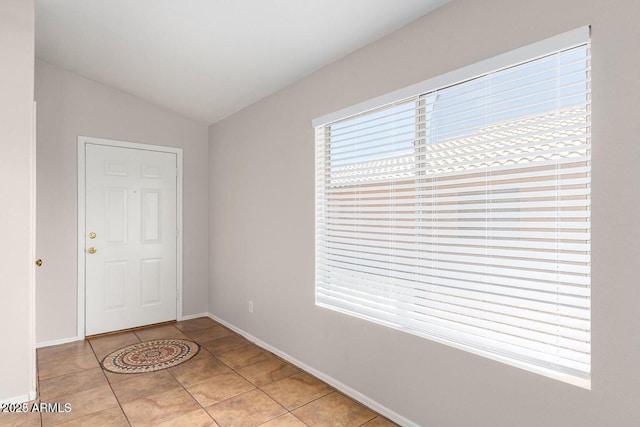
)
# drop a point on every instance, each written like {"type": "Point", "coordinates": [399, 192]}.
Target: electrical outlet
{"type": "Point", "coordinates": [250, 306]}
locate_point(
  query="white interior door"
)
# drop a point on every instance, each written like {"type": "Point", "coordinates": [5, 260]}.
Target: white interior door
{"type": "Point", "coordinates": [130, 237]}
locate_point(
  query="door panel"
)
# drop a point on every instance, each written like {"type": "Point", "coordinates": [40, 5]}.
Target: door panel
{"type": "Point", "coordinates": [114, 285]}
{"type": "Point", "coordinates": [131, 207]}
{"type": "Point", "coordinates": [151, 223]}
{"type": "Point", "coordinates": [151, 282]}
{"type": "Point", "coordinates": [116, 215]}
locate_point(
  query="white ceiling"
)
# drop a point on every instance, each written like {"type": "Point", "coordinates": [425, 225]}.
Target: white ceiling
{"type": "Point", "coordinates": [207, 59]}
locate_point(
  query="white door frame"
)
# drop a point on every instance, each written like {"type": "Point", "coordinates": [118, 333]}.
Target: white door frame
{"type": "Point", "coordinates": [82, 142]}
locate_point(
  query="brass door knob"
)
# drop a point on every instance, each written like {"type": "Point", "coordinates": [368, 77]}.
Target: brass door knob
{"type": "Point", "coordinates": [38, 262]}
{"type": "Point", "coordinates": [91, 250]}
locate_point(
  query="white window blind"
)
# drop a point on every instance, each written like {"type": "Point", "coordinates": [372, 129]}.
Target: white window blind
{"type": "Point", "coordinates": [462, 214]}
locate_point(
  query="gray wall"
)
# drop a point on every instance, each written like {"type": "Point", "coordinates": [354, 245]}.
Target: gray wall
{"type": "Point", "coordinates": [70, 106]}
{"type": "Point", "coordinates": [17, 358]}
{"type": "Point", "coordinates": [262, 224]}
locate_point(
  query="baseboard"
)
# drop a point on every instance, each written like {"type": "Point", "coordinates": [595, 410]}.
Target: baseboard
{"type": "Point", "coordinates": [195, 316]}
{"type": "Point", "coordinates": [58, 342]}
{"type": "Point", "coordinates": [356, 395]}
{"type": "Point", "coordinates": [21, 399]}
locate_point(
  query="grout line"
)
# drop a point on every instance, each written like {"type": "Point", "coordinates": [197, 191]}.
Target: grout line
{"type": "Point", "coordinates": [332, 389]}
{"type": "Point", "coordinates": [256, 387]}
{"type": "Point", "coordinates": [232, 369]}
{"type": "Point", "coordinates": [109, 383]}
{"type": "Point", "coordinates": [55, 359]}
{"type": "Point", "coordinates": [340, 387]}
{"type": "Point", "coordinates": [187, 391]}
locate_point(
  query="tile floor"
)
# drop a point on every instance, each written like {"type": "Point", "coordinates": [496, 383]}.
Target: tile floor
{"type": "Point", "coordinates": [231, 382]}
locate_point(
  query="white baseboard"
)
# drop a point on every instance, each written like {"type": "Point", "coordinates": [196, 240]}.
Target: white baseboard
{"type": "Point", "coordinates": [195, 316]}
{"type": "Point", "coordinates": [21, 399]}
{"type": "Point", "coordinates": [356, 395]}
{"type": "Point", "coordinates": [58, 342]}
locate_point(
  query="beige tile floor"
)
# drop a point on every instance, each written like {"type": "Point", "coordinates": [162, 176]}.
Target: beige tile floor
{"type": "Point", "coordinates": [231, 382]}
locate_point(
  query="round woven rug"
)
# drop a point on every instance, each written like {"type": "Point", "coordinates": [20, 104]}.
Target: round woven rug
{"type": "Point", "coordinates": [150, 356]}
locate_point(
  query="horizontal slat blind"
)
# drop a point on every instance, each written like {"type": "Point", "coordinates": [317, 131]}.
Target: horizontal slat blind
{"type": "Point", "coordinates": [463, 214]}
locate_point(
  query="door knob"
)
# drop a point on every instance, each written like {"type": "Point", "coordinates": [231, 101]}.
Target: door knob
{"type": "Point", "coordinates": [38, 262]}
{"type": "Point", "coordinates": [91, 250]}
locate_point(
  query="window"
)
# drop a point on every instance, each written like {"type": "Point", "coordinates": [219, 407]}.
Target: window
{"type": "Point", "coordinates": [460, 210]}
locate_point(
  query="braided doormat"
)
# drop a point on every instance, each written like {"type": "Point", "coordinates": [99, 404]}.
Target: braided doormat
{"type": "Point", "coordinates": [150, 356]}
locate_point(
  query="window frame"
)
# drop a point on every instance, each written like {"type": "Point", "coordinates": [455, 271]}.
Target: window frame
{"type": "Point", "coordinates": [576, 37]}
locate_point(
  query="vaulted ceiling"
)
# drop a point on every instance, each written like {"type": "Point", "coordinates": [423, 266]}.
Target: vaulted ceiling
{"type": "Point", "coordinates": [207, 59]}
